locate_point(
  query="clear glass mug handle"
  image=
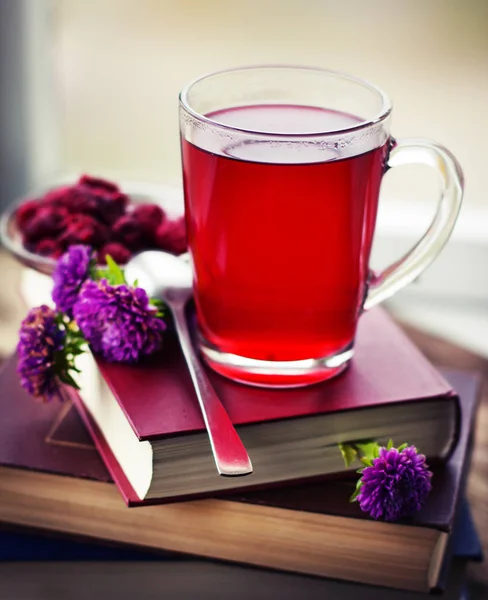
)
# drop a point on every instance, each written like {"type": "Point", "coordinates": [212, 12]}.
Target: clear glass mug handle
{"type": "Point", "coordinates": [384, 284]}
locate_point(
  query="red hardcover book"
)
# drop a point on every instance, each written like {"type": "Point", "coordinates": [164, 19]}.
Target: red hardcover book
{"type": "Point", "coordinates": [150, 419]}
{"type": "Point", "coordinates": [52, 478]}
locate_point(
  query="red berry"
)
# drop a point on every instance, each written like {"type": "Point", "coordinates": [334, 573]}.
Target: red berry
{"type": "Point", "coordinates": [107, 207]}
{"type": "Point", "coordinates": [48, 222]}
{"type": "Point", "coordinates": [92, 196]}
{"type": "Point", "coordinates": [150, 217]}
{"type": "Point", "coordinates": [171, 236]}
{"type": "Point", "coordinates": [117, 251]}
{"type": "Point", "coordinates": [62, 196]}
{"type": "Point", "coordinates": [128, 231]}
{"type": "Point", "coordinates": [112, 206]}
{"type": "Point", "coordinates": [101, 198]}
{"type": "Point", "coordinates": [96, 184]}
{"type": "Point", "coordinates": [26, 211]}
{"type": "Point", "coordinates": [84, 202]}
{"type": "Point", "coordinates": [84, 229]}
{"type": "Point", "coordinates": [48, 247]}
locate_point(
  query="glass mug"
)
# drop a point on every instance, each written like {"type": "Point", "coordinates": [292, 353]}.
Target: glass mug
{"type": "Point", "coordinates": [282, 168]}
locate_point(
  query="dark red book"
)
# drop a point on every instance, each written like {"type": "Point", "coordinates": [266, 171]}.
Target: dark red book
{"type": "Point", "coordinates": [150, 419]}
{"type": "Point", "coordinates": [52, 479]}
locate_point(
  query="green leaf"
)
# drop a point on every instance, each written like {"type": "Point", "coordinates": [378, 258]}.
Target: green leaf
{"type": "Point", "coordinates": [65, 377]}
{"type": "Point", "coordinates": [93, 271]}
{"type": "Point", "coordinates": [76, 338]}
{"type": "Point", "coordinates": [75, 344]}
{"type": "Point", "coordinates": [402, 447]}
{"type": "Point", "coordinates": [349, 454]}
{"type": "Point", "coordinates": [156, 302]}
{"type": "Point", "coordinates": [390, 444]}
{"type": "Point", "coordinates": [357, 491]}
{"type": "Point", "coordinates": [368, 449]}
{"type": "Point", "coordinates": [115, 275]}
{"type": "Point", "coordinates": [366, 461]}
{"type": "Point", "coordinates": [160, 305]}
{"type": "Point", "coordinates": [98, 274]}
{"type": "Point", "coordinates": [64, 322]}
{"type": "Point", "coordinates": [76, 349]}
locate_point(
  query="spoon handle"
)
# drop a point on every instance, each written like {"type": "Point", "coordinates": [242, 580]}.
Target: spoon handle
{"type": "Point", "coordinates": [230, 455]}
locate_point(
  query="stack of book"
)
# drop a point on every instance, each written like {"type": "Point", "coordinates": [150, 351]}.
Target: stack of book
{"type": "Point", "coordinates": [126, 463]}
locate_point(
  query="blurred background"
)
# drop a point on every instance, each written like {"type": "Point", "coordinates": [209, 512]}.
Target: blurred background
{"type": "Point", "coordinates": [94, 84]}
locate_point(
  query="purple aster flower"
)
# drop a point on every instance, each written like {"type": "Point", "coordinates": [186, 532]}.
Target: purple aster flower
{"type": "Point", "coordinates": [396, 485]}
{"type": "Point", "coordinates": [118, 321]}
{"type": "Point", "coordinates": [72, 269]}
{"type": "Point", "coordinates": [41, 343]}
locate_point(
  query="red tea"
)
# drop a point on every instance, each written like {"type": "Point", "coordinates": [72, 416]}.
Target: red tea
{"type": "Point", "coordinates": [280, 235]}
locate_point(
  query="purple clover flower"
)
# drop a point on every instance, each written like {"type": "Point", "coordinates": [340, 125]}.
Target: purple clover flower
{"type": "Point", "coordinates": [41, 342]}
{"type": "Point", "coordinates": [72, 269]}
{"type": "Point", "coordinates": [118, 321]}
{"type": "Point", "coordinates": [396, 485]}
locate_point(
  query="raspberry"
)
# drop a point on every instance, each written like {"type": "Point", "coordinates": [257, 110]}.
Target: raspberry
{"type": "Point", "coordinates": [26, 211]}
{"type": "Point", "coordinates": [101, 198]}
{"type": "Point", "coordinates": [83, 202]}
{"type": "Point", "coordinates": [84, 229]}
{"type": "Point", "coordinates": [47, 223]}
{"type": "Point", "coordinates": [76, 198]}
{"type": "Point", "coordinates": [171, 236]}
{"type": "Point", "coordinates": [150, 217]}
{"type": "Point", "coordinates": [129, 232]}
{"type": "Point", "coordinates": [62, 196]}
{"type": "Point", "coordinates": [92, 196]}
{"type": "Point", "coordinates": [112, 207]}
{"type": "Point", "coordinates": [98, 185]}
{"type": "Point", "coordinates": [84, 213]}
{"type": "Point", "coordinates": [117, 251]}
{"type": "Point", "coordinates": [48, 247]}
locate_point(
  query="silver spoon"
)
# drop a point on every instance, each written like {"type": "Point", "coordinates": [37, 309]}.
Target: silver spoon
{"type": "Point", "coordinates": [169, 278]}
